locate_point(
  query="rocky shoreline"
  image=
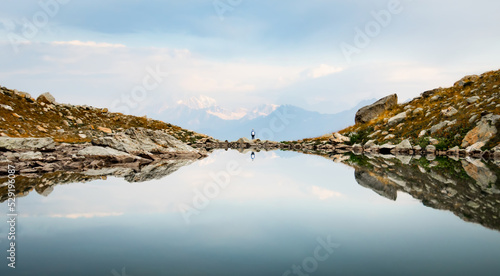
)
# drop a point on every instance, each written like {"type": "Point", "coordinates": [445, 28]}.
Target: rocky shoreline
{"type": "Point", "coordinates": [337, 144]}
{"type": "Point", "coordinates": [132, 148]}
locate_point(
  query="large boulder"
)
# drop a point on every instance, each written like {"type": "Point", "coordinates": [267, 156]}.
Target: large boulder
{"type": "Point", "coordinates": [370, 112]}
{"type": "Point", "coordinates": [483, 176]}
{"type": "Point", "coordinates": [378, 184]}
{"type": "Point", "coordinates": [26, 144]}
{"type": "Point", "coordinates": [483, 132]}
{"type": "Point", "coordinates": [144, 142]}
{"type": "Point", "coordinates": [467, 80]}
{"type": "Point", "coordinates": [46, 98]}
{"type": "Point", "coordinates": [107, 153]}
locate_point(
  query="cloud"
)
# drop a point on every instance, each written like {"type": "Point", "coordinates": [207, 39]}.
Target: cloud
{"type": "Point", "coordinates": [321, 71]}
{"type": "Point", "coordinates": [87, 215]}
{"type": "Point", "coordinates": [323, 193]}
{"type": "Point", "coordinates": [88, 44]}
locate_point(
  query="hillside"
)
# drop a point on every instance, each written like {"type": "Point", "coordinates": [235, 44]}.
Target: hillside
{"type": "Point", "coordinates": [23, 116]}
{"type": "Point", "coordinates": [464, 116]}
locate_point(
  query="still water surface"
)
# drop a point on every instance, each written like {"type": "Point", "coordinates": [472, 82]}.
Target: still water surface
{"type": "Point", "coordinates": [278, 212]}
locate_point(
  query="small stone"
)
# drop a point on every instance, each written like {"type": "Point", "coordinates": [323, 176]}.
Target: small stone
{"type": "Point", "coordinates": [473, 118]}
{"type": "Point", "coordinates": [41, 129]}
{"type": "Point", "coordinates": [473, 99]}
{"type": "Point", "coordinates": [418, 110]}
{"type": "Point", "coordinates": [6, 107]}
{"type": "Point", "coordinates": [105, 129]}
{"type": "Point", "coordinates": [430, 148]}
{"type": "Point", "coordinates": [473, 204]}
{"type": "Point", "coordinates": [397, 119]}
{"type": "Point", "coordinates": [439, 126]}
{"type": "Point", "coordinates": [448, 112]}
{"type": "Point", "coordinates": [83, 136]}
{"type": "Point", "coordinates": [433, 141]}
{"type": "Point", "coordinates": [390, 136]}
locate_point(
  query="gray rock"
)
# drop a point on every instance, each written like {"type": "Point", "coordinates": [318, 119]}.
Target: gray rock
{"type": "Point", "coordinates": [370, 144]}
{"type": "Point", "coordinates": [473, 118]}
{"type": "Point", "coordinates": [157, 170]}
{"type": "Point", "coordinates": [454, 150]}
{"type": "Point", "coordinates": [33, 144]}
{"type": "Point", "coordinates": [483, 132]}
{"type": "Point", "coordinates": [448, 112]}
{"type": "Point", "coordinates": [475, 147]}
{"type": "Point", "coordinates": [243, 140]}
{"type": "Point", "coordinates": [467, 80]}
{"type": "Point", "coordinates": [437, 127]}
{"type": "Point", "coordinates": [429, 93]}
{"type": "Point", "coordinates": [371, 181]}
{"type": "Point", "coordinates": [404, 146]}
{"type": "Point", "coordinates": [418, 110]}
{"type": "Point", "coordinates": [370, 112]}
{"type": "Point", "coordinates": [435, 98]}
{"type": "Point", "coordinates": [386, 147]}
{"type": "Point", "coordinates": [29, 156]}
{"type": "Point", "coordinates": [106, 152]}
{"type": "Point", "coordinates": [47, 191]}
{"type": "Point", "coordinates": [338, 138]}
{"type": "Point", "coordinates": [46, 98]}
{"type": "Point", "coordinates": [6, 107]}
{"type": "Point", "coordinates": [473, 99]}
{"type": "Point", "coordinates": [397, 119]}
{"type": "Point", "coordinates": [145, 141]}
{"type": "Point", "coordinates": [483, 176]}
{"type": "Point", "coordinates": [389, 136]}
{"type": "Point", "coordinates": [25, 95]}
{"type": "Point", "coordinates": [430, 148]}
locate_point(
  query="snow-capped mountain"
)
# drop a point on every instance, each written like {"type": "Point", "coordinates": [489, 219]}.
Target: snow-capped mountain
{"type": "Point", "coordinates": [261, 111]}
{"type": "Point", "coordinates": [208, 105]}
{"type": "Point", "coordinates": [201, 102]}
{"type": "Point", "coordinates": [270, 121]}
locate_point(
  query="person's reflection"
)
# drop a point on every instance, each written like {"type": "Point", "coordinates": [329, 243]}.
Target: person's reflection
{"type": "Point", "coordinates": [252, 155]}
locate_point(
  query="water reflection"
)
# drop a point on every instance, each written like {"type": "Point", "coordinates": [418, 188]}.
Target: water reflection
{"type": "Point", "coordinates": [469, 187]}
{"type": "Point", "coordinates": [265, 219]}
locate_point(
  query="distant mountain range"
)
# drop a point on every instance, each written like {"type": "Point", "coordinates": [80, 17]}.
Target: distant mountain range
{"type": "Point", "coordinates": [270, 122]}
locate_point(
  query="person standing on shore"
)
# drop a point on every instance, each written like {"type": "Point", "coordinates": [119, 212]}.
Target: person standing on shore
{"type": "Point", "coordinates": [253, 134]}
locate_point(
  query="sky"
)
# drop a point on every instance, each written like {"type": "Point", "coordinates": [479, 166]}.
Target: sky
{"type": "Point", "coordinates": [140, 57]}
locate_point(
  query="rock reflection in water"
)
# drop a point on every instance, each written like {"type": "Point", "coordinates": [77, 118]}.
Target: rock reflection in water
{"type": "Point", "coordinates": [469, 188]}
{"type": "Point", "coordinates": [44, 183]}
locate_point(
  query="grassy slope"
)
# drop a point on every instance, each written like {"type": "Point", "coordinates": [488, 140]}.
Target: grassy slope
{"type": "Point", "coordinates": [29, 115]}
{"type": "Point", "coordinates": [487, 87]}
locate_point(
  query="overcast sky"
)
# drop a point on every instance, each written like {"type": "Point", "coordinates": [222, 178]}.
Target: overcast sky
{"type": "Point", "coordinates": [321, 55]}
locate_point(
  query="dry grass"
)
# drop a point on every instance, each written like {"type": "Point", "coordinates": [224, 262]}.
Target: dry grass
{"type": "Point", "coordinates": [30, 118]}
{"type": "Point", "coordinates": [487, 87]}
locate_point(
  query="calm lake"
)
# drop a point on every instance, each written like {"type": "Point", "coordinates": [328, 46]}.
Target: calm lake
{"type": "Point", "coordinates": [283, 213]}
